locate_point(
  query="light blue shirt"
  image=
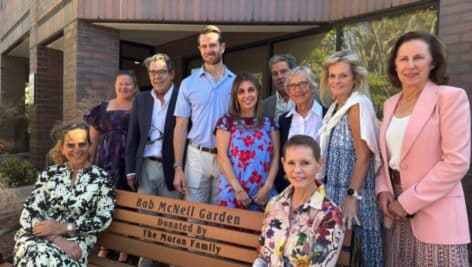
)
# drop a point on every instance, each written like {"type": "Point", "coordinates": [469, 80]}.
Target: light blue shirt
{"type": "Point", "coordinates": [204, 101]}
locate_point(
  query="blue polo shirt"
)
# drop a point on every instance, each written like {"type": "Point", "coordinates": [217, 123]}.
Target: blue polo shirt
{"type": "Point", "coordinates": [204, 101]}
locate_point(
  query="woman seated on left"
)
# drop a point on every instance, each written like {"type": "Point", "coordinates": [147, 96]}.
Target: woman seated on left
{"type": "Point", "coordinates": [71, 202]}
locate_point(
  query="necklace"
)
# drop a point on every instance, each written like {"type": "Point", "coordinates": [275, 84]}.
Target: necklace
{"type": "Point", "coordinates": [304, 198]}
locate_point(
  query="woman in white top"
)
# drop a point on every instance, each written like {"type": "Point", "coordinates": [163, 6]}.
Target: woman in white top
{"type": "Point", "coordinates": [349, 146]}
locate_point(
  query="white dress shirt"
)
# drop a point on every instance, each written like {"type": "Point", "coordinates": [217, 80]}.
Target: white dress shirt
{"type": "Point", "coordinates": [156, 131]}
{"type": "Point", "coordinates": [308, 125]}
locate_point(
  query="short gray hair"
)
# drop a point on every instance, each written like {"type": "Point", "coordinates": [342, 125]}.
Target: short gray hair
{"type": "Point", "coordinates": [308, 74]}
{"type": "Point", "coordinates": [288, 58]}
{"type": "Point", "coordinates": [160, 56]}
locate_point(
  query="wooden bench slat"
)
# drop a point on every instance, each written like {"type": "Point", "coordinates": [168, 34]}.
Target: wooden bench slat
{"type": "Point", "coordinates": [192, 210]}
{"type": "Point", "coordinates": [95, 261]}
{"type": "Point", "coordinates": [162, 253]}
{"type": "Point", "coordinates": [201, 230]}
{"type": "Point", "coordinates": [185, 242]}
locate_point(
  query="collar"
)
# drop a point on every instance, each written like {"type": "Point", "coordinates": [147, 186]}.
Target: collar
{"type": "Point", "coordinates": [316, 108]}
{"type": "Point", "coordinates": [279, 98]}
{"type": "Point", "coordinates": [227, 73]}
{"type": "Point", "coordinates": [315, 201]}
{"type": "Point", "coordinates": [166, 96]}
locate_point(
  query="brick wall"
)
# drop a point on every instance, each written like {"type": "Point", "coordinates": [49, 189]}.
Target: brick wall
{"type": "Point", "coordinates": [47, 109]}
{"type": "Point", "coordinates": [455, 30]}
{"type": "Point", "coordinates": [13, 79]}
{"type": "Point", "coordinates": [91, 61]}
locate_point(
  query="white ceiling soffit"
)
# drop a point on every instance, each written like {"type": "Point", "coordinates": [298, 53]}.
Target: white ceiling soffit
{"type": "Point", "coordinates": [157, 34]}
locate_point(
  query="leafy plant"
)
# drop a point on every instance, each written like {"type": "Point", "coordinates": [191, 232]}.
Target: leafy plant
{"type": "Point", "coordinates": [16, 172]}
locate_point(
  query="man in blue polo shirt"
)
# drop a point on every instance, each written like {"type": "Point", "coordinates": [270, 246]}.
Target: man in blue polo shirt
{"type": "Point", "coordinates": [203, 98]}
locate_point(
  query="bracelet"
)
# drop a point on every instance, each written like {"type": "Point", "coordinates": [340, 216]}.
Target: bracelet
{"type": "Point", "coordinates": [54, 238]}
{"type": "Point", "coordinates": [238, 190]}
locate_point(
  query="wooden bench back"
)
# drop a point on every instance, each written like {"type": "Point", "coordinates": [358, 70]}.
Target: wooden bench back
{"type": "Point", "coordinates": [184, 233]}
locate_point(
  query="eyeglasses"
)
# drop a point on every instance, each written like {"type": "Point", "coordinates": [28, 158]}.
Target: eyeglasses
{"type": "Point", "coordinates": [160, 73]}
{"type": "Point", "coordinates": [301, 85]}
{"type": "Point", "coordinates": [153, 132]}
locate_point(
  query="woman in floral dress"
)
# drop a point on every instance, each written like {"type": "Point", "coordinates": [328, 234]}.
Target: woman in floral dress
{"type": "Point", "coordinates": [108, 123]}
{"type": "Point", "coordinates": [70, 203]}
{"type": "Point", "coordinates": [302, 226]}
{"type": "Point", "coordinates": [248, 148]}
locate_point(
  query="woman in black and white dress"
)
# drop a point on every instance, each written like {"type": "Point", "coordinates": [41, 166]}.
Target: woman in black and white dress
{"type": "Point", "coordinates": [70, 203]}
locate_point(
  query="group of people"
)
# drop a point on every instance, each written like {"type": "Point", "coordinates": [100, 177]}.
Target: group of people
{"type": "Point", "coordinates": [311, 156]}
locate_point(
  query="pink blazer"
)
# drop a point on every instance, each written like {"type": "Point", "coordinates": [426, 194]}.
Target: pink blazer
{"type": "Point", "coordinates": [435, 156]}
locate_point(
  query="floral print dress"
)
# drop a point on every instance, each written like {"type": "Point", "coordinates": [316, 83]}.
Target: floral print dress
{"type": "Point", "coordinates": [111, 145]}
{"type": "Point", "coordinates": [310, 235]}
{"type": "Point", "coordinates": [250, 153]}
{"type": "Point", "coordinates": [88, 204]}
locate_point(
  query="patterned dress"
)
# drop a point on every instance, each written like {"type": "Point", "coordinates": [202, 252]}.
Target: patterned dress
{"type": "Point", "coordinates": [110, 153]}
{"type": "Point", "coordinates": [89, 205]}
{"type": "Point", "coordinates": [250, 152]}
{"type": "Point", "coordinates": [310, 235]}
{"type": "Point", "coordinates": [337, 174]}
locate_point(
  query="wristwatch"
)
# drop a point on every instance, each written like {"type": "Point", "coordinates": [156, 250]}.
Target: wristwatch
{"type": "Point", "coordinates": [178, 165]}
{"type": "Point", "coordinates": [353, 193]}
{"type": "Point", "coordinates": [70, 227]}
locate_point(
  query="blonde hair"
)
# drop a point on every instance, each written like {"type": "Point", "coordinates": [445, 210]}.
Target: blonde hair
{"type": "Point", "coordinates": [58, 134]}
{"type": "Point", "coordinates": [359, 73]}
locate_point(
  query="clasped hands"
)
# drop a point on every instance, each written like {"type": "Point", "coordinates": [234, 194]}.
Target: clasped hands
{"type": "Point", "coordinates": [391, 207]}
{"type": "Point", "coordinates": [53, 230]}
{"type": "Point", "coordinates": [260, 199]}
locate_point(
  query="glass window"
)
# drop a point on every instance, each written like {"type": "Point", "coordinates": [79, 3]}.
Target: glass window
{"type": "Point", "coordinates": [252, 60]}
{"type": "Point", "coordinates": [373, 40]}
{"type": "Point", "coordinates": [132, 56]}
{"type": "Point", "coordinates": [309, 50]}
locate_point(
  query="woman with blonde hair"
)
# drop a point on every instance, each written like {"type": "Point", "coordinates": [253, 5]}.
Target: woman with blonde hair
{"type": "Point", "coordinates": [349, 145]}
{"type": "Point", "coordinates": [71, 202]}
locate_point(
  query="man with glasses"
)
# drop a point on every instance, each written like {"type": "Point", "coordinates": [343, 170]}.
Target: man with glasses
{"type": "Point", "coordinates": [149, 150]}
{"type": "Point", "coordinates": [150, 154]}
{"type": "Point", "coordinates": [204, 97]}
{"type": "Point", "coordinates": [279, 103]}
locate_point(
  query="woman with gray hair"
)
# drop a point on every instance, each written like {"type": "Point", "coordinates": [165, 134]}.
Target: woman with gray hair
{"type": "Point", "coordinates": [349, 135]}
{"type": "Point", "coordinates": [305, 118]}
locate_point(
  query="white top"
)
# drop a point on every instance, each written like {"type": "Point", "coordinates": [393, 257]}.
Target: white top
{"type": "Point", "coordinates": [394, 140]}
{"type": "Point", "coordinates": [281, 106]}
{"type": "Point", "coordinates": [308, 125]}
{"type": "Point", "coordinates": [156, 131]}
{"type": "Point", "coordinates": [368, 124]}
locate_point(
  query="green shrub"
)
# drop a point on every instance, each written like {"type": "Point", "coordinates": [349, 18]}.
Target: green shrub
{"type": "Point", "coordinates": [17, 172]}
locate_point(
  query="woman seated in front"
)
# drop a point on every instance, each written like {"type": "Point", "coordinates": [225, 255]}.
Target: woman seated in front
{"type": "Point", "coordinates": [302, 227]}
{"type": "Point", "coordinates": [70, 203]}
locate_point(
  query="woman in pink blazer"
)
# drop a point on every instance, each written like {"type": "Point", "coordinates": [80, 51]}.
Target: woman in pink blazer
{"type": "Point", "coordinates": [425, 147]}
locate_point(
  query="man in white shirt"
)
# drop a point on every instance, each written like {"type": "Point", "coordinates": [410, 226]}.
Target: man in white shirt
{"type": "Point", "coordinates": [149, 149]}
